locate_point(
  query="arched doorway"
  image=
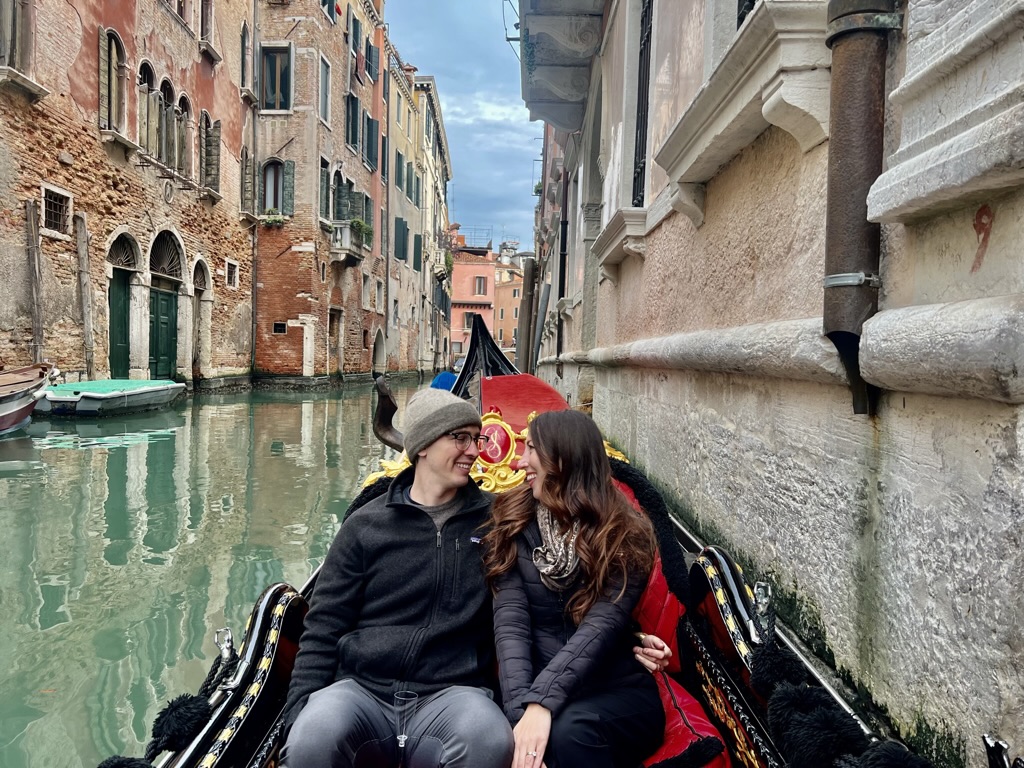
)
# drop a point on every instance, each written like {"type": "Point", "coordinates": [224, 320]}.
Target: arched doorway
{"type": "Point", "coordinates": [123, 255]}
{"type": "Point", "coordinates": [202, 317]}
{"type": "Point", "coordinates": [380, 353]}
{"type": "Point", "coordinates": [165, 259]}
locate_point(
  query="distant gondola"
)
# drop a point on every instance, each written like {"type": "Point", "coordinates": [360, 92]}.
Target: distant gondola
{"type": "Point", "coordinates": [770, 705]}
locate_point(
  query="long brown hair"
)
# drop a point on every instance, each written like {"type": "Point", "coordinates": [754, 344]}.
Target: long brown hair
{"type": "Point", "coordinates": [614, 540]}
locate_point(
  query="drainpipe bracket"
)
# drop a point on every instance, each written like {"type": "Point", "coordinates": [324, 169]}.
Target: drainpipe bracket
{"type": "Point", "coordinates": [851, 279]}
{"type": "Point", "coordinates": [862, 22]}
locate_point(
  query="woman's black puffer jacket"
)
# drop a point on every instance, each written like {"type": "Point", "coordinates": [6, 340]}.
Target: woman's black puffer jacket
{"type": "Point", "coordinates": [543, 656]}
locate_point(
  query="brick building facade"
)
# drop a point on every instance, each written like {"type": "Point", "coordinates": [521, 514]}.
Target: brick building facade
{"type": "Point", "coordinates": [120, 241]}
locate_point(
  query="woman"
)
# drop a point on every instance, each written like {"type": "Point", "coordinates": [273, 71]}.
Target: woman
{"type": "Point", "coordinates": [568, 558]}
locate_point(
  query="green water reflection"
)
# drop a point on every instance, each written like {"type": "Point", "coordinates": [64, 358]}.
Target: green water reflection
{"type": "Point", "coordinates": [127, 542]}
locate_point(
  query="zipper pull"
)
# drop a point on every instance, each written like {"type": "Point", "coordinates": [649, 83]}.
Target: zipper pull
{"type": "Point", "coordinates": [456, 545]}
{"type": "Point", "coordinates": [438, 539]}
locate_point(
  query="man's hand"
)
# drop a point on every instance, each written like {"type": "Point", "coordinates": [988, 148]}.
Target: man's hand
{"type": "Point", "coordinates": [652, 652]}
{"type": "Point", "coordinates": [531, 737]}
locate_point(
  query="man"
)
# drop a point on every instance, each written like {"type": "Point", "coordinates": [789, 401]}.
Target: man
{"type": "Point", "coordinates": [401, 604]}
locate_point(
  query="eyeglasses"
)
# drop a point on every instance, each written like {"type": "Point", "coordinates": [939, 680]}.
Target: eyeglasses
{"type": "Point", "coordinates": [463, 440]}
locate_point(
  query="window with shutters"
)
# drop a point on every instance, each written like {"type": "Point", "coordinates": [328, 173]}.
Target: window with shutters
{"type": "Point", "coordinates": [384, 158]}
{"type": "Point", "coordinates": [501, 313]}
{"type": "Point", "coordinates": [113, 78]}
{"type": "Point", "coordinates": [401, 239]}
{"type": "Point", "coordinates": [330, 7]}
{"type": "Point", "coordinates": [325, 188]}
{"type": "Point", "coordinates": [340, 206]}
{"type": "Point", "coordinates": [398, 109]}
{"type": "Point", "coordinates": [209, 153]}
{"type": "Point", "coordinates": [166, 133]}
{"type": "Point", "coordinates": [206, 20]}
{"type": "Point", "coordinates": [183, 137]}
{"type": "Point", "coordinates": [352, 117]}
{"type": "Point", "coordinates": [366, 299]}
{"type": "Point", "coordinates": [515, 293]}
{"type": "Point", "coordinates": [17, 35]}
{"type": "Point", "coordinates": [515, 313]}
{"type": "Point", "coordinates": [416, 191]}
{"type": "Point", "coordinates": [325, 90]}
{"type": "Point", "coordinates": [245, 78]}
{"type": "Point", "coordinates": [148, 109]}
{"type": "Point", "coordinates": [481, 286]}
{"type": "Point", "coordinates": [408, 179]}
{"type": "Point", "coordinates": [372, 61]}
{"type": "Point", "coordinates": [643, 88]}
{"type": "Point", "coordinates": [399, 170]}
{"type": "Point", "coordinates": [247, 181]}
{"type": "Point", "coordinates": [370, 139]}
{"type": "Point", "coordinates": [276, 86]}
{"type": "Point", "coordinates": [277, 187]}
{"type": "Point", "coordinates": [417, 252]}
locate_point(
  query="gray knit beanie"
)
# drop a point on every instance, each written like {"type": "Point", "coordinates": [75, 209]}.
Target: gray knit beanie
{"type": "Point", "coordinates": [431, 413]}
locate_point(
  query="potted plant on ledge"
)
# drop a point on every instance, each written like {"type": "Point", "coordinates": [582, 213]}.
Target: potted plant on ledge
{"type": "Point", "coordinates": [272, 218]}
{"type": "Point", "coordinates": [362, 233]}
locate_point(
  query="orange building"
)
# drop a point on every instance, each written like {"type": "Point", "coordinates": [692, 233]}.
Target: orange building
{"type": "Point", "coordinates": [508, 294]}
{"type": "Point", "coordinates": [472, 293]}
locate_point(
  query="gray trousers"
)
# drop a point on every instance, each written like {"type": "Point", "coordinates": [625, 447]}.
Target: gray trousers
{"type": "Point", "coordinates": [345, 726]}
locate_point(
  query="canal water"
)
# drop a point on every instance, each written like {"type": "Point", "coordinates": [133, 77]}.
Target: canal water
{"type": "Point", "coordinates": [125, 543]}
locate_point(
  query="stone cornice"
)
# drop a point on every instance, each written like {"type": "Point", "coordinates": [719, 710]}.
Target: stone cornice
{"type": "Point", "coordinates": [775, 73]}
{"type": "Point", "coordinates": [622, 236]}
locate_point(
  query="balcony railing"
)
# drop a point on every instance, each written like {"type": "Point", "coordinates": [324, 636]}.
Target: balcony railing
{"type": "Point", "coordinates": [346, 243]}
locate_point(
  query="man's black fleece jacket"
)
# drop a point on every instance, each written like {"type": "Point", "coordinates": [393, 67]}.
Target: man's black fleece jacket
{"type": "Point", "coordinates": [399, 605]}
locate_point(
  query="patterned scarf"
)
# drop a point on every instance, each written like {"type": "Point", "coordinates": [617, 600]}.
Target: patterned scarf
{"type": "Point", "coordinates": [556, 558]}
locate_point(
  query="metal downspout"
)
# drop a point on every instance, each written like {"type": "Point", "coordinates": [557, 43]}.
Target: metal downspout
{"type": "Point", "coordinates": [257, 168]}
{"type": "Point", "coordinates": [563, 260]}
{"type": "Point", "coordinates": [858, 33]}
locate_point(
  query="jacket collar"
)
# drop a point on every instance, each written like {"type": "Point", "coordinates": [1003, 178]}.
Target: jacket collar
{"type": "Point", "coordinates": [473, 498]}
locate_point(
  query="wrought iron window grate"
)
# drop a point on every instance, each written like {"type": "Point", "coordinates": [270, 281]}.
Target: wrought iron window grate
{"type": "Point", "coordinates": [643, 87]}
{"type": "Point", "coordinates": [56, 210]}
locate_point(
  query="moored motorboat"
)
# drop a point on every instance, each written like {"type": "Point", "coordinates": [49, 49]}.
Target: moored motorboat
{"type": "Point", "coordinates": [769, 704]}
{"type": "Point", "coordinates": [20, 389]}
{"type": "Point", "coordinates": [109, 397]}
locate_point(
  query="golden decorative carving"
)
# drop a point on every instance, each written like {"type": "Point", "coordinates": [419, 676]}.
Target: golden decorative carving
{"type": "Point", "coordinates": [723, 712]}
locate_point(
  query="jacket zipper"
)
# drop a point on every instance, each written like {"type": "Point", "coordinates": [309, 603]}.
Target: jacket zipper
{"type": "Point", "coordinates": [414, 644]}
{"type": "Point", "coordinates": [455, 572]}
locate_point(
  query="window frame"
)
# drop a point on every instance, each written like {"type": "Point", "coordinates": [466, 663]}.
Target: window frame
{"type": "Point", "coordinates": [324, 100]}
{"type": "Point", "coordinates": [69, 214]}
{"type": "Point", "coordinates": [230, 265]}
{"type": "Point", "coordinates": [277, 47]}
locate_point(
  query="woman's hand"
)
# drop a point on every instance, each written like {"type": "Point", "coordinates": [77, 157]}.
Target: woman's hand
{"type": "Point", "coordinates": [653, 652]}
{"type": "Point", "coordinates": [531, 737]}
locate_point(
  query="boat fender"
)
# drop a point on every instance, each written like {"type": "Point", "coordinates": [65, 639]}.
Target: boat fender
{"type": "Point", "coordinates": [884, 754]}
{"type": "Point", "coordinates": [810, 729]}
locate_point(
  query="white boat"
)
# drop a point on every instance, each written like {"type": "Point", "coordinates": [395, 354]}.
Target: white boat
{"type": "Point", "coordinates": [109, 397]}
{"type": "Point", "coordinates": [20, 388]}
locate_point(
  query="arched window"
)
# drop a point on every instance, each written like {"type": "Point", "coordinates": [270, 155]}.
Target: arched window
{"type": "Point", "coordinates": [148, 111]}
{"type": "Point", "coordinates": [165, 124]}
{"type": "Point", "coordinates": [183, 133]}
{"type": "Point", "coordinates": [165, 257]}
{"type": "Point", "coordinates": [340, 201]}
{"type": "Point", "coordinates": [273, 186]}
{"type": "Point", "coordinates": [245, 55]}
{"type": "Point", "coordinates": [209, 152]}
{"type": "Point", "coordinates": [113, 78]}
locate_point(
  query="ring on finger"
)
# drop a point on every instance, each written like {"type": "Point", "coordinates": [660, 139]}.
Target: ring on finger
{"type": "Point", "coordinates": [531, 754]}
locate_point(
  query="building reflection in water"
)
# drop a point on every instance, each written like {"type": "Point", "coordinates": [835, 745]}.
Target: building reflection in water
{"type": "Point", "coordinates": [129, 541]}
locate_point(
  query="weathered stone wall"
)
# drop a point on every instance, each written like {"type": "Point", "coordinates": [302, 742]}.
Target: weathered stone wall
{"type": "Point", "coordinates": [56, 141]}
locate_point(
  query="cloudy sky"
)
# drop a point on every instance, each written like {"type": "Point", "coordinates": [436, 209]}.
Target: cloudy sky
{"type": "Point", "coordinates": [462, 44]}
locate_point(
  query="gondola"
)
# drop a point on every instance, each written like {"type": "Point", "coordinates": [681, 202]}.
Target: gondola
{"type": "Point", "coordinates": [770, 706]}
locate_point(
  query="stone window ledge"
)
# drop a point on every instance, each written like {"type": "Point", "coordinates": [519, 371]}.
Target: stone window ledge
{"type": "Point", "coordinates": [13, 78]}
{"type": "Point", "coordinates": [622, 236]}
{"type": "Point", "coordinates": [119, 139]}
{"type": "Point", "coordinates": [206, 49]}
{"type": "Point", "coordinates": [776, 72]}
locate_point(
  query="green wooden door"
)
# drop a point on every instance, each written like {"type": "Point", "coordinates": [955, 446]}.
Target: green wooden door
{"type": "Point", "coordinates": [118, 305]}
{"type": "Point", "coordinates": [163, 334]}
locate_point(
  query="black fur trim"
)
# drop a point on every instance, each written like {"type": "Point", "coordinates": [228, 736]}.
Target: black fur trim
{"type": "Point", "coordinates": [120, 761]}
{"type": "Point", "coordinates": [699, 753]}
{"type": "Point", "coordinates": [181, 721]}
{"type": "Point", "coordinates": [891, 754]}
{"type": "Point", "coordinates": [790, 701]}
{"type": "Point", "coordinates": [673, 564]}
{"type": "Point", "coordinates": [771, 665]}
{"type": "Point", "coordinates": [817, 738]}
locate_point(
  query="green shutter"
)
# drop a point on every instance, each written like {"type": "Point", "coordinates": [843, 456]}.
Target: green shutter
{"type": "Point", "coordinates": [325, 193]}
{"type": "Point", "coordinates": [180, 120]}
{"type": "Point", "coordinates": [374, 143]}
{"type": "Point", "coordinates": [399, 170]}
{"type": "Point", "coordinates": [213, 157]}
{"type": "Point", "coordinates": [155, 101]}
{"type": "Point", "coordinates": [203, 131]}
{"type": "Point", "coordinates": [384, 157]}
{"type": "Point", "coordinates": [247, 182]}
{"type": "Point", "coordinates": [417, 252]}
{"type": "Point", "coordinates": [104, 108]}
{"type": "Point", "coordinates": [288, 196]}
{"type": "Point", "coordinates": [261, 205]}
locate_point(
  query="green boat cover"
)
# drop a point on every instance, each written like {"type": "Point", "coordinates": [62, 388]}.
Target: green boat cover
{"type": "Point", "coordinates": [105, 386]}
